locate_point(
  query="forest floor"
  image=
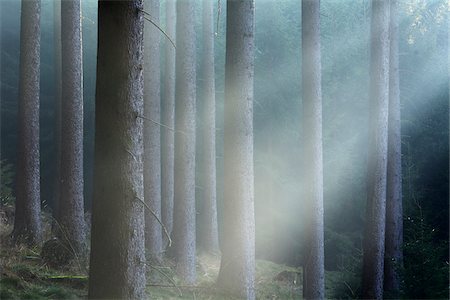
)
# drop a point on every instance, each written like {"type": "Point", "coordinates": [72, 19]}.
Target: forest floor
{"type": "Point", "coordinates": [24, 275]}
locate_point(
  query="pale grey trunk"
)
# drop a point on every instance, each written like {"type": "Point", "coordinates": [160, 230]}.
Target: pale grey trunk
{"type": "Point", "coordinates": [394, 207]}
{"type": "Point", "coordinates": [117, 263]}
{"type": "Point", "coordinates": [237, 267]}
{"type": "Point", "coordinates": [152, 138]}
{"type": "Point", "coordinates": [1, 34]}
{"type": "Point", "coordinates": [71, 208]}
{"type": "Point", "coordinates": [57, 133]}
{"type": "Point", "coordinates": [184, 196]}
{"type": "Point", "coordinates": [313, 265]}
{"type": "Point", "coordinates": [27, 223]}
{"type": "Point", "coordinates": [168, 119]}
{"type": "Point", "coordinates": [373, 258]}
{"type": "Point", "coordinates": [209, 237]}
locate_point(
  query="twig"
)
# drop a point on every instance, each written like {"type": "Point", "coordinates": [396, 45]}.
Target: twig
{"type": "Point", "coordinates": [132, 155]}
{"type": "Point", "coordinates": [170, 279]}
{"type": "Point", "coordinates": [157, 123]}
{"type": "Point", "coordinates": [159, 28]}
{"type": "Point", "coordinates": [348, 286]}
{"type": "Point", "coordinates": [162, 125]}
{"type": "Point", "coordinates": [159, 221]}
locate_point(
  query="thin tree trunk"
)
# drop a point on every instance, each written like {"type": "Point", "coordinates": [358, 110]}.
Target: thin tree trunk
{"type": "Point", "coordinates": [57, 133]}
{"type": "Point", "coordinates": [237, 267]}
{"type": "Point", "coordinates": [168, 119]}
{"type": "Point", "coordinates": [394, 207]}
{"type": "Point", "coordinates": [313, 265]}
{"type": "Point", "coordinates": [152, 137]}
{"type": "Point", "coordinates": [373, 258]}
{"type": "Point", "coordinates": [184, 196]}
{"type": "Point", "coordinates": [209, 237]}
{"type": "Point", "coordinates": [27, 223]}
{"type": "Point", "coordinates": [71, 208]}
{"type": "Point", "coordinates": [117, 269]}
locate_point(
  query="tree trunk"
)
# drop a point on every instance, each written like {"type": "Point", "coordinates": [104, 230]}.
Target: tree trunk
{"type": "Point", "coordinates": [184, 196]}
{"type": "Point", "coordinates": [57, 133]}
{"type": "Point", "coordinates": [71, 208]}
{"type": "Point", "coordinates": [117, 269]}
{"type": "Point", "coordinates": [373, 258]}
{"type": "Point", "coordinates": [313, 265]}
{"type": "Point", "coordinates": [209, 236]}
{"type": "Point", "coordinates": [152, 138]}
{"type": "Point", "coordinates": [394, 208]}
{"type": "Point", "coordinates": [168, 119]}
{"type": "Point", "coordinates": [237, 268]}
{"type": "Point", "coordinates": [27, 223]}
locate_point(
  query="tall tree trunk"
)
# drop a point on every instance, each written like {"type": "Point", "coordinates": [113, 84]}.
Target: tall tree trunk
{"type": "Point", "coordinates": [117, 269]}
{"type": "Point", "coordinates": [209, 236]}
{"type": "Point", "coordinates": [168, 119]}
{"type": "Point", "coordinates": [57, 133]}
{"type": "Point", "coordinates": [394, 207]}
{"type": "Point", "coordinates": [184, 196]}
{"type": "Point", "coordinates": [237, 267]}
{"type": "Point", "coordinates": [373, 258]}
{"type": "Point", "coordinates": [313, 265]}
{"type": "Point", "coordinates": [152, 138]}
{"type": "Point", "coordinates": [27, 223]}
{"type": "Point", "coordinates": [71, 208]}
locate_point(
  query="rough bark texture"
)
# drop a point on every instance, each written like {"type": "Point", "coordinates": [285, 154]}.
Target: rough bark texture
{"type": "Point", "coordinates": [237, 268]}
{"type": "Point", "coordinates": [209, 237]}
{"type": "Point", "coordinates": [57, 133]}
{"type": "Point", "coordinates": [1, 34]}
{"type": "Point", "coordinates": [71, 209]}
{"type": "Point", "coordinates": [117, 269]}
{"type": "Point", "coordinates": [184, 196]}
{"type": "Point", "coordinates": [373, 258]}
{"type": "Point", "coordinates": [27, 223]}
{"type": "Point", "coordinates": [313, 265]}
{"type": "Point", "coordinates": [394, 207]}
{"type": "Point", "coordinates": [152, 138]}
{"type": "Point", "coordinates": [168, 119]}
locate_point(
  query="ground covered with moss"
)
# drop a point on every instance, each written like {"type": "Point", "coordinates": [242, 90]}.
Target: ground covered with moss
{"type": "Point", "coordinates": [26, 275]}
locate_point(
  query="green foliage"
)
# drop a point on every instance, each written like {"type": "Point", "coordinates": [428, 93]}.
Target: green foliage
{"type": "Point", "coordinates": [425, 273]}
{"type": "Point", "coordinates": [348, 283]}
{"type": "Point", "coordinates": [7, 176]}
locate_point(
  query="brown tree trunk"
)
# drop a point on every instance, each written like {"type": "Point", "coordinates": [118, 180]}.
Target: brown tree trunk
{"type": "Point", "coordinates": [313, 265]}
{"type": "Point", "coordinates": [117, 269]}
{"type": "Point", "coordinates": [184, 196]}
{"type": "Point", "coordinates": [27, 223]}
{"type": "Point", "coordinates": [168, 119]}
{"type": "Point", "coordinates": [152, 138]}
{"type": "Point", "coordinates": [237, 267]}
{"type": "Point", "coordinates": [71, 208]}
{"type": "Point", "coordinates": [209, 237]}
{"type": "Point", "coordinates": [373, 258]}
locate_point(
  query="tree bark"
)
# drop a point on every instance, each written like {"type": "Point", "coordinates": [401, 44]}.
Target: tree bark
{"type": "Point", "coordinates": [313, 265]}
{"type": "Point", "coordinates": [168, 119]}
{"type": "Point", "coordinates": [117, 269]}
{"type": "Point", "coordinates": [71, 208]}
{"type": "Point", "coordinates": [209, 236]}
{"type": "Point", "coordinates": [184, 196]}
{"type": "Point", "coordinates": [152, 137]}
{"type": "Point", "coordinates": [237, 267]}
{"type": "Point", "coordinates": [394, 207]}
{"type": "Point", "coordinates": [27, 223]}
{"type": "Point", "coordinates": [374, 237]}
{"type": "Point", "coordinates": [57, 133]}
